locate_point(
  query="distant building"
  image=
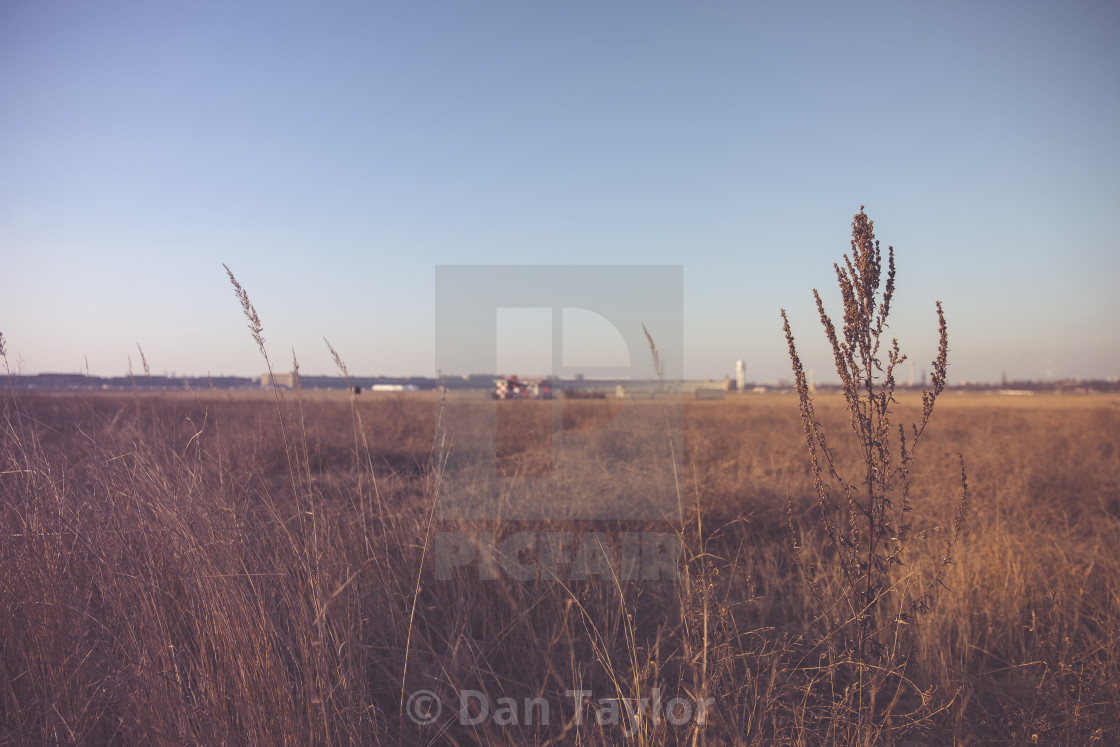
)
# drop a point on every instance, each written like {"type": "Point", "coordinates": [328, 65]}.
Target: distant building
{"type": "Point", "coordinates": [394, 388]}
{"type": "Point", "coordinates": [285, 380]}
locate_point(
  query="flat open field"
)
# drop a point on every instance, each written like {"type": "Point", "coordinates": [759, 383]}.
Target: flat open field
{"type": "Point", "coordinates": [236, 568]}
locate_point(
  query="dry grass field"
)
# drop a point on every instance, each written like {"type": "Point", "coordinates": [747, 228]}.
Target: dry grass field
{"type": "Point", "coordinates": [223, 568]}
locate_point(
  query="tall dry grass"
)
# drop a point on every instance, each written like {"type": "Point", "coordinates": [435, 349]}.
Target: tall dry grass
{"type": "Point", "coordinates": [161, 581]}
{"type": "Point", "coordinates": [233, 568]}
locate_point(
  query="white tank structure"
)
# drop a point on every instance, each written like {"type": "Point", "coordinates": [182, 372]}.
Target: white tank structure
{"type": "Point", "coordinates": [740, 375]}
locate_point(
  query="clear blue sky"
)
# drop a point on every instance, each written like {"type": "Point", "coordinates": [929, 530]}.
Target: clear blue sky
{"type": "Point", "coordinates": [333, 154]}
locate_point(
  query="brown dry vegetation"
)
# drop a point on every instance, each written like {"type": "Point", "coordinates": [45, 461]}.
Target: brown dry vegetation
{"type": "Point", "coordinates": [177, 569]}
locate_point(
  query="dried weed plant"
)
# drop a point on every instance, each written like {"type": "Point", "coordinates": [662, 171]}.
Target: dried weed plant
{"type": "Point", "coordinates": [866, 621]}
